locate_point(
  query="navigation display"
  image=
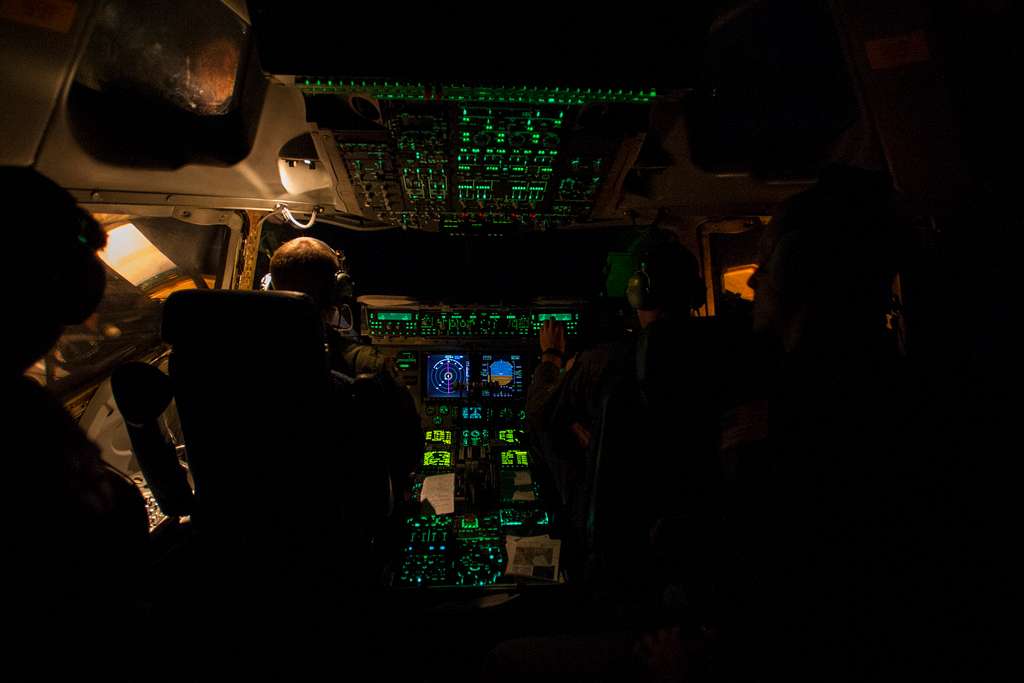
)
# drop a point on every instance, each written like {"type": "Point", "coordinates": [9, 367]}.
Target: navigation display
{"type": "Point", "coordinates": [447, 375]}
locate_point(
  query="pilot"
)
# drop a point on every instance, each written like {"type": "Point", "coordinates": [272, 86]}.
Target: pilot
{"type": "Point", "coordinates": [78, 530]}
{"type": "Point", "coordinates": [564, 406]}
{"type": "Point", "coordinates": [834, 527]}
{"type": "Point", "coordinates": [387, 424]}
{"type": "Point", "coordinates": [564, 403]}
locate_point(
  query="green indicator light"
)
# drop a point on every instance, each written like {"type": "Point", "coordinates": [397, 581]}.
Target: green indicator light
{"type": "Point", "coordinates": [551, 100]}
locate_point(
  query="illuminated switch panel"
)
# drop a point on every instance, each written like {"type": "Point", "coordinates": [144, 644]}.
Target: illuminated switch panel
{"type": "Point", "coordinates": [437, 459]}
{"type": "Point", "coordinates": [464, 323]}
{"type": "Point", "coordinates": [480, 552]}
{"type": "Point", "coordinates": [571, 321]}
{"type": "Point", "coordinates": [393, 323]}
{"type": "Point", "coordinates": [475, 437]}
{"type": "Point", "coordinates": [510, 436]}
{"type": "Point", "coordinates": [474, 413]}
{"type": "Point", "coordinates": [428, 551]}
{"type": "Point", "coordinates": [441, 436]}
{"type": "Point", "coordinates": [516, 520]}
{"type": "Point", "coordinates": [506, 156]}
{"type": "Point", "coordinates": [421, 140]}
{"type": "Point", "coordinates": [515, 459]}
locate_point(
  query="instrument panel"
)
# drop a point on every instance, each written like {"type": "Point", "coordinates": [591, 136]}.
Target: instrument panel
{"type": "Point", "coordinates": [468, 367]}
{"type": "Point", "coordinates": [478, 167]}
{"type": "Point", "coordinates": [390, 324]}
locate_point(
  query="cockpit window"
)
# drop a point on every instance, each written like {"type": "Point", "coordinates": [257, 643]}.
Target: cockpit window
{"type": "Point", "coordinates": [165, 83]}
{"type": "Point", "coordinates": [146, 259]}
{"type": "Point", "coordinates": [133, 256]}
{"type": "Point", "coordinates": [159, 50]}
{"type": "Point", "coordinates": [735, 280]}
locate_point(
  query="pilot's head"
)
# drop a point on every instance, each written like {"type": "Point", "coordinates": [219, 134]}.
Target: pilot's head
{"type": "Point", "coordinates": [52, 258]}
{"type": "Point", "coordinates": [826, 264]}
{"type": "Point", "coordinates": [309, 266]}
{"type": "Point", "coordinates": [666, 278]}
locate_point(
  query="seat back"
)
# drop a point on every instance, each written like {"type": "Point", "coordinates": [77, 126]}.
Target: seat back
{"type": "Point", "coordinates": [143, 393]}
{"type": "Point", "coordinates": [252, 385]}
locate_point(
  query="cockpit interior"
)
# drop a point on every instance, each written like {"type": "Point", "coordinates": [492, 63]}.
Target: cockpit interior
{"type": "Point", "coordinates": [482, 174]}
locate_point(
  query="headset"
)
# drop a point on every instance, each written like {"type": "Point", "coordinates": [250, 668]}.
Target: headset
{"type": "Point", "coordinates": [70, 286]}
{"type": "Point", "coordinates": [639, 287]}
{"type": "Point", "coordinates": [339, 292]}
{"type": "Point", "coordinates": [644, 293]}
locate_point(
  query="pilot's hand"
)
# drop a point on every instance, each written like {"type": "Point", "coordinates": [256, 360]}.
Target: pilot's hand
{"type": "Point", "coordinates": [552, 341]}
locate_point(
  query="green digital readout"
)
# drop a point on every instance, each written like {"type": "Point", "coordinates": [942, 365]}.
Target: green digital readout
{"type": "Point", "coordinates": [508, 436]}
{"type": "Point", "coordinates": [439, 436]}
{"type": "Point", "coordinates": [437, 459]}
{"type": "Point", "coordinates": [394, 315]}
{"type": "Point", "coordinates": [514, 459]}
{"type": "Point", "coordinates": [564, 317]}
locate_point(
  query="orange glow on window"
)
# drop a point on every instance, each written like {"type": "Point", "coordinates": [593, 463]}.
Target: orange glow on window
{"type": "Point", "coordinates": [735, 280]}
{"type": "Point", "coordinates": [133, 256]}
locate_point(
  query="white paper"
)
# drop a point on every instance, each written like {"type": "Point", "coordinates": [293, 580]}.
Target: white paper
{"type": "Point", "coordinates": [524, 495]}
{"type": "Point", "coordinates": [534, 556]}
{"type": "Point", "coordinates": [439, 492]}
{"type": "Point", "coordinates": [523, 479]}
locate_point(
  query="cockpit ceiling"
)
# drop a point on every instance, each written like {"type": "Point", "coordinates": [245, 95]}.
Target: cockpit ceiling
{"type": "Point", "coordinates": [444, 122]}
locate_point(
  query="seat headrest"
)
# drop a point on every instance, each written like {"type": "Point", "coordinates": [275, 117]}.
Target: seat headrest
{"type": "Point", "coordinates": [286, 322]}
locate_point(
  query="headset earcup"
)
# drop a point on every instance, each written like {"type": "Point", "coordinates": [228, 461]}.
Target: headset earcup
{"type": "Point", "coordinates": [344, 287]}
{"type": "Point", "coordinates": [637, 290]}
